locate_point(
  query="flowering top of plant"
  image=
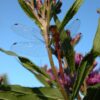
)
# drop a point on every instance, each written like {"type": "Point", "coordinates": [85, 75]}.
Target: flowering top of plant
{"type": "Point", "coordinates": [39, 8]}
{"type": "Point", "coordinates": [92, 79]}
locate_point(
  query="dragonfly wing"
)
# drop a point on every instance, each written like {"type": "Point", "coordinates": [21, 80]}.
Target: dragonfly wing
{"type": "Point", "coordinates": [27, 32]}
{"type": "Point", "coordinates": [29, 49]}
{"type": "Point", "coordinates": [73, 27]}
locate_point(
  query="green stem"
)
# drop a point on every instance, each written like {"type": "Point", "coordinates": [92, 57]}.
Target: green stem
{"type": "Point", "coordinates": [46, 37]}
{"type": "Point", "coordinates": [53, 67]}
{"type": "Point", "coordinates": [55, 72]}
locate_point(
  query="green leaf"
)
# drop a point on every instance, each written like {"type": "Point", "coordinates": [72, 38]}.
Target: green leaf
{"type": "Point", "coordinates": [30, 12]}
{"type": "Point", "coordinates": [31, 66]}
{"type": "Point", "coordinates": [39, 73]}
{"type": "Point", "coordinates": [93, 93]}
{"type": "Point", "coordinates": [85, 66]}
{"type": "Point", "coordinates": [96, 46]}
{"type": "Point", "coordinates": [16, 96]}
{"type": "Point", "coordinates": [16, 92]}
{"type": "Point", "coordinates": [84, 69]}
{"type": "Point", "coordinates": [8, 52]}
{"type": "Point", "coordinates": [7, 96]}
{"type": "Point", "coordinates": [26, 63]}
{"type": "Point", "coordinates": [87, 63]}
{"type": "Point", "coordinates": [71, 12]}
{"type": "Point", "coordinates": [57, 21]}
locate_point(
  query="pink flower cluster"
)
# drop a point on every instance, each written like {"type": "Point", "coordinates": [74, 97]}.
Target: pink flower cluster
{"type": "Point", "coordinates": [92, 79]}
{"type": "Point", "coordinates": [67, 81]}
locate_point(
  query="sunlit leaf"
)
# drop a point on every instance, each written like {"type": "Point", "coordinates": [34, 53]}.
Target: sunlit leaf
{"type": "Point", "coordinates": [36, 70]}
{"type": "Point", "coordinates": [8, 52]}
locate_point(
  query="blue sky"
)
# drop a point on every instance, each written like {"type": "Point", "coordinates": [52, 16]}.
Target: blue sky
{"type": "Point", "coordinates": [10, 13]}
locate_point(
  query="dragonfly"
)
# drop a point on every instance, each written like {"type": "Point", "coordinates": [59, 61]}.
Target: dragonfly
{"type": "Point", "coordinates": [34, 45]}
{"type": "Point", "coordinates": [57, 44]}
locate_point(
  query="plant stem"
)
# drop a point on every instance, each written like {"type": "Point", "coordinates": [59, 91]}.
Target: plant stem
{"type": "Point", "coordinates": [53, 67]}
{"type": "Point", "coordinates": [46, 37]}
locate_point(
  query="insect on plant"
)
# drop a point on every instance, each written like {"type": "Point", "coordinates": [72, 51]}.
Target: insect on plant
{"type": "Point", "coordinates": [34, 43]}
{"type": "Point", "coordinates": [71, 31]}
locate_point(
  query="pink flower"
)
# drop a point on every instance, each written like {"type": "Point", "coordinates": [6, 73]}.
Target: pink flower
{"type": "Point", "coordinates": [93, 78]}
{"type": "Point", "coordinates": [78, 58]}
{"type": "Point", "coordinates": [67, 81]}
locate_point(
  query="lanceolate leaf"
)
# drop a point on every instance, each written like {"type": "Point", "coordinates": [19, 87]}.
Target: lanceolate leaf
{"type": "Point", "coordinates": [16, 96]}
{"type": "Point", "coordinates": [38, 72]}
{"type": "Point", "coordinates": [31, 66]}
{"type": "Point", "coordinates": [29, 12]}
{"type": "Point", "coordinates": [26, 63]}
{"type": "Point", "coordinates": [96, 46]}
{"type": "Point", "coordinates": [15, 92]}
{"type": "Point", "coordinates": [8, 52]}
{"type": "Point", "coordinates": [86, 64]}
{"type": "Point", "coordinates": [43, 77]}
{"type": "Point", "coordinates": [71, 12]}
